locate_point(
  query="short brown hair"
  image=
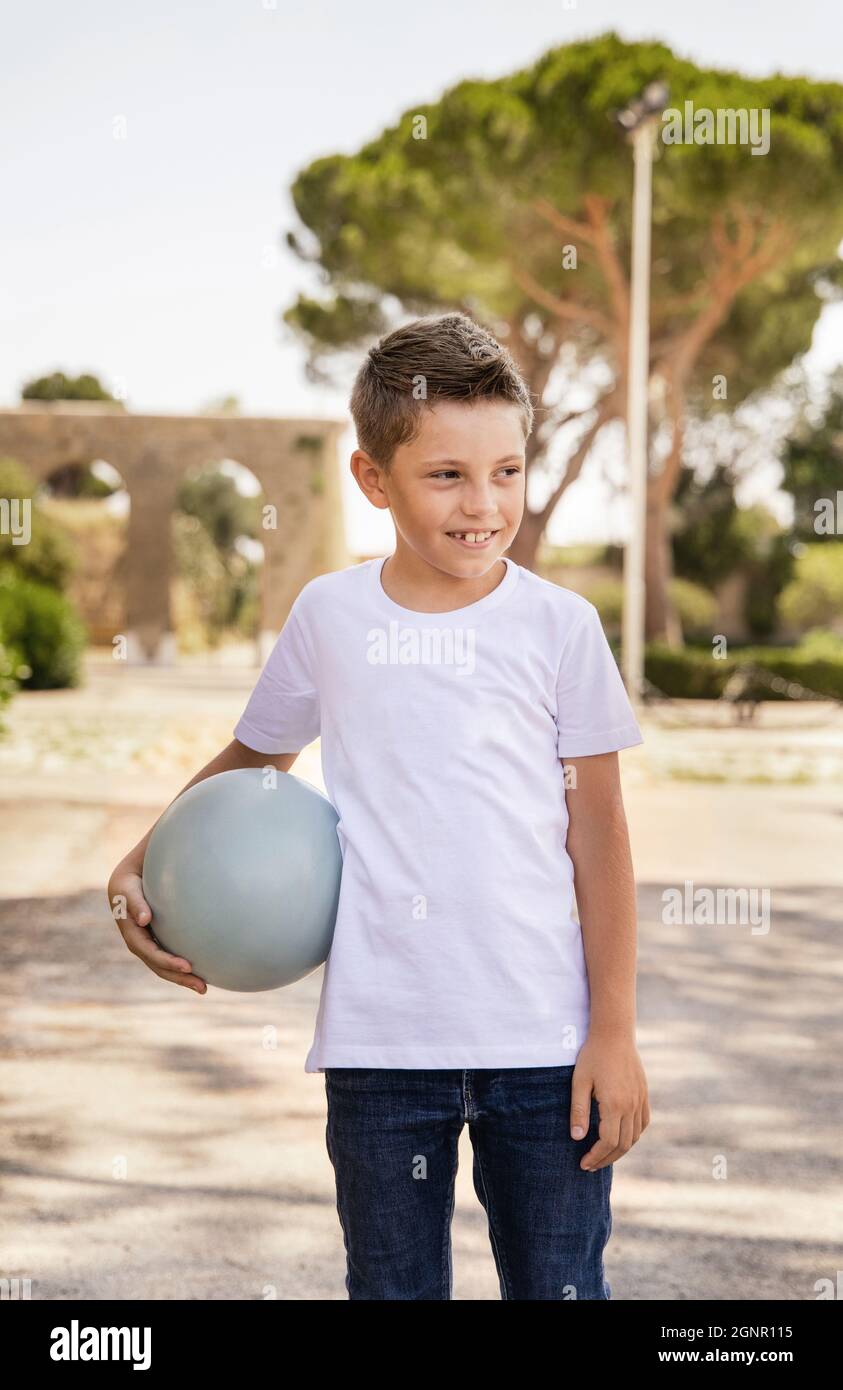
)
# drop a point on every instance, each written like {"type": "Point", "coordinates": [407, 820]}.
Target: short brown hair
{"type": "Point", "coordinates": [455, 359]}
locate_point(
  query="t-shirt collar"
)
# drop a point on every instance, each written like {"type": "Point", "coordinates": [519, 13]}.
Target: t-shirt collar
{"type": "Point", "coordinates": [471, 610]}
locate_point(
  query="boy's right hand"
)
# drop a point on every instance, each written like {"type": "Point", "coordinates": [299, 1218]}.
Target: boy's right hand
{"type": "Point", "coordinates": [132, 912]}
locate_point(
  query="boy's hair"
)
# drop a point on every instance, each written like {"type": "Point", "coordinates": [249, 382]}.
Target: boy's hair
{"type": "Point", "coordinates": [448, 357]}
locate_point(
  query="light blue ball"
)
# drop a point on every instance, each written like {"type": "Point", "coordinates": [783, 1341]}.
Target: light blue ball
{"type": "Point", "coordinates": [243, 879]}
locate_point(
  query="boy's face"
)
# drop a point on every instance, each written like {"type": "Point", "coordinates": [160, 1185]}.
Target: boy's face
{"type": "Point", "coordinates": [464, 473]}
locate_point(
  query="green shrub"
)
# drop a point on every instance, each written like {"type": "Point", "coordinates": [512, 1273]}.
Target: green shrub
{"type": "Point", "coordinates": [814, 597]}
{"type": "Point", "coordinates": [693, 674]}
{"type": "Point", "coordinates": [42, 629]}
{"type": "Point", "coordinates": [685, 673]}
{"type": "Point", "coordinates": [60, 387]}
{"type": "Point", "coordinates": [12, 672]}
{"type": "Point", "coordinates": [50, 555]}
{"type": "Point", "coordinates": [821, 642]}
{"type": "Point", "coordinates": [696, 607]}
{"type": "Point", "coordinates": [607, 597]}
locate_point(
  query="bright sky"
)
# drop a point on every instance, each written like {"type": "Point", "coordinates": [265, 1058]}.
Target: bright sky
{"type": "Point", "coordinates": [154, 259]}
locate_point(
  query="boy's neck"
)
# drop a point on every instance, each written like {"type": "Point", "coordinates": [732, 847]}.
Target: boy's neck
{"type": "Point", "coordinates": [412, 583]}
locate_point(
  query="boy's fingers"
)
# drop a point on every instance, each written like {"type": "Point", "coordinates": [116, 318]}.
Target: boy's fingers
{"type": "Point", "coordinates": [139, 907]}
{"type": "Point", "coordinates": [178, 977]}
{"type": "Point", "coordinates": [142, 943]}
{"type": "Point", "coordinates": [580, 1107]}
{"type": "Point", "coordinates": [627, 1137]}
{"type": "Point", "coordinates": [135, 904]}
{"type": "Point", "coordinates": [609, 1141]}
{"type": "Point", "coordinates": [628, 1134]}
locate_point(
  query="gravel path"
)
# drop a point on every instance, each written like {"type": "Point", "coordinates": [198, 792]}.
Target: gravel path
{"type": "Point", "coordinates": [156, 1144]}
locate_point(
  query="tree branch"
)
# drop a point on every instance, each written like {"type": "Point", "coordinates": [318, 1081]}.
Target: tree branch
{"type": "Point", "coordinates": [567, 226]}
{"type": "Point", "coordinates": [740, 266]}
{"type": "Point", "coordinates": [562, 308]}
{"type": "Point", "coordinates": [606, 409]}
{"type": "Point", "coordinates": [612, 269]}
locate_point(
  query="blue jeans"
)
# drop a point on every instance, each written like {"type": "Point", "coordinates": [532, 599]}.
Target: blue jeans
{"type": "Point", "coordinates": [392, 1139]}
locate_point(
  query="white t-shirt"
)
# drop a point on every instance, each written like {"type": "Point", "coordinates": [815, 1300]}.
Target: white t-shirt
{"type": "Point", "coordinates": [456, 943]}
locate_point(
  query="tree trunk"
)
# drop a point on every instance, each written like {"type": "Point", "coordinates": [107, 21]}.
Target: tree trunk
{"type": "Point", "coordinates": [524, 549]}
{"type": "Point", "coordinates": [661, 621]}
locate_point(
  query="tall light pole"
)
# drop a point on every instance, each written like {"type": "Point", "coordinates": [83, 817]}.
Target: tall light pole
{"type": "Point", "coordinates": [641, 121]}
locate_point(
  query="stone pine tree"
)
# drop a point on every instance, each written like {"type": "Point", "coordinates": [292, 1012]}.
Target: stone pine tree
{"type": "Point", "coordinates": [511, 199]}
{"type": "Point", "coordinates": [812, 458]}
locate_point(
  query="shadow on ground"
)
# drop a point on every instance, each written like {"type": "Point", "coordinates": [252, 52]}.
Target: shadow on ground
{"type": "Point", "coordinates": [161, 1145]}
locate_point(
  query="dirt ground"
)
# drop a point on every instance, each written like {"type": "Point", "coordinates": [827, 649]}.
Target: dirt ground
{"type": "Point", "coordinates": [157, 1144]}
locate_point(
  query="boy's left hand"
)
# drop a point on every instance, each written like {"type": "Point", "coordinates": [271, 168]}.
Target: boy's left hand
{"type": "Point", "coordinates": [610, 1068]}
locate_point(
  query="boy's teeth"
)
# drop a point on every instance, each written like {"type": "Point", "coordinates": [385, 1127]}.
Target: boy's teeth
{"type": "Point", "coordinates": [472, 536]}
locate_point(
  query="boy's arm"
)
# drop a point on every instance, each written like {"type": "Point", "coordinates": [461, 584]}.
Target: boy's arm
{"type": "Point", "coordinates": [608, 1064]}
{"type": "Point", "coordinates": [125, 887]}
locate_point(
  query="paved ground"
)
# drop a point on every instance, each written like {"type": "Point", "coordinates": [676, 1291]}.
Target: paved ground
{"type": "Point", "coordinates": [158, 1144]}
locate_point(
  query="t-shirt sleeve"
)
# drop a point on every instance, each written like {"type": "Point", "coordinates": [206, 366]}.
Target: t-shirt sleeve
{"type": "Point", "coordinates": [594, 714]}
{"type": "Point", "coordinates": [282, 714]}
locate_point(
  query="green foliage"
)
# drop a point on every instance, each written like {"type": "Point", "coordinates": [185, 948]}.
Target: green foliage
{"type": "Point", "coordinates": [222, 405]}
{"type": "Point", "coordinates": [450, 219]}
{"type": "Point", "coordinates": [50, 556]}
{"type": "Point", "coordinates": [607, 597]}
{"type": "Point", "coordinates": [226, 514]}
{"type": "Point", "coordinates": [814, 597]}
{"type": "Point", "coordinates": [213, 519]}
{"type": "Point", "coordinates": [813, 460]}
{"type": "Point", "coordinates": [78, 480]}
{"type": "Point", "coordinates": [713, 538]}
{"type": "Point", "coordinates": [768, 573]}
{"type": "Point", "coordinates": [452, 206]}
{"type": "Point", "coordinates": [561, 556]}
{"type": "Point", "coordinates": [12, 671]}
{"type": "Point", "coordinates": [696, 607]}
{"type": "Point", "coordinates": [821, 644]}
{"type": "Point", "coordinates": [60, 387]}
{"type": "Point", "coordinates": [42, 629]}
{"type": "Point", "coordinates": [693, 674]}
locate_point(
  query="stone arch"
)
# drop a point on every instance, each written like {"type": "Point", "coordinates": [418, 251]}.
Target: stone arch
{"type": "Point", "coordinates": [295, 462]}
{"type": "Point", "coordinates": [98, 525]}
{"type": "Point", "coordinates": [254, 550]}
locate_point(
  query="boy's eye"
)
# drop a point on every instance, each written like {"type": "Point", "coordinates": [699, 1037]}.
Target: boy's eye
{"type": "Point", "coordinates": [454, 473]}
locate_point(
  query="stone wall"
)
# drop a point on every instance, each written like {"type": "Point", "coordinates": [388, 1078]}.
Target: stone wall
{"type": "Point", "coordinates": [295, 462]}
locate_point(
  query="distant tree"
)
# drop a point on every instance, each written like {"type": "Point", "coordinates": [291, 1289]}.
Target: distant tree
{"type": "Point", "coordinates": [213, 518]}
{"type": "Point", "coordinates": [814, 597]}
{"type": "Point", "coordinates": [78, 480]}
{"type": "Point", "coordinates": [511, 199]}
{"type": "Point", "coordinates": [714, 538]}
{"type": "Point", "coordinates": [225, 513]}
{"type": "Point", "coordinates": [813, 465]}
{"type": "Point", "coordinates": [50, 557]}
{"type": "Point", "coordinates": [222, 405]}
{"type": "Point", "coordinates": [59, 387]}
{"type": "Point", "coordinates": [709, 541]}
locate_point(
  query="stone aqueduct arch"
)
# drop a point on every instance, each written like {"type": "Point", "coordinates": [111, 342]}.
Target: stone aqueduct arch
{"type": "Point", "coordinates": [295, 462]}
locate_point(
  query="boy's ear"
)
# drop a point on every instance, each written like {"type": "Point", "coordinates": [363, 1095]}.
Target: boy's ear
{"type": "Point", "coordinates": [368, 474]}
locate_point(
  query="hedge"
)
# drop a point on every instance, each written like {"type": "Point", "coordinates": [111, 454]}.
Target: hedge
{"type": "Point", "coordinates": [41, 627]}
{"type": "Point", "coordinates": [693, 674]}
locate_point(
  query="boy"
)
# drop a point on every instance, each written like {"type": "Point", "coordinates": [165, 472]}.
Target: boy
{"type": "Point", "coordinates": [470, 716]}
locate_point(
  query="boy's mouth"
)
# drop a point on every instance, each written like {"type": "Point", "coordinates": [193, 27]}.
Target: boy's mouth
{"type": "Point", "coordinates": [475, 539]}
